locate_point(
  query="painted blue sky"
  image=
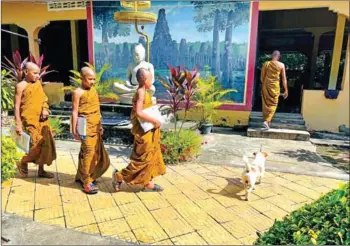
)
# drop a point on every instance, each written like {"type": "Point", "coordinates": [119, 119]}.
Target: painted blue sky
{"type": "Point", "coordinates": [181, 25]}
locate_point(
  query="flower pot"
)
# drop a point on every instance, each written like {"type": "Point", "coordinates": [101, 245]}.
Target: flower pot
{"type": "Point", "coordinates": [206, 128]}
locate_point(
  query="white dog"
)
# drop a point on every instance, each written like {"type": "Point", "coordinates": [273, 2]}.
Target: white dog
{"type": "Point", "coordinates": [252, 172]}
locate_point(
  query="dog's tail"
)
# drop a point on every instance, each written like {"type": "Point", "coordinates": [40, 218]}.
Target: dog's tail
{"type": "Point", "coordinates": [247, 164]}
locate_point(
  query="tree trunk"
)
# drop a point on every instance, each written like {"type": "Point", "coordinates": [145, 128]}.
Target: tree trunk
{"type": "Point", "coordinates": [216, 46]}
{"type": "Point", "coordinates": [105, 35]}
{"type": "Point", "coordinates": [227, 59]}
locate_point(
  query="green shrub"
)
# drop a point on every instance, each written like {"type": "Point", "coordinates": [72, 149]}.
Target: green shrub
{"type": "Point", "coordinates": [180, 146]}
{"type": "Point", "coordinates": [325, 221]}
{"type": "Point", "coordinates": [8, 84]}
{"type": "Point", "coordinates": [9, 156]}
{"type": "Point", "coordinates": [56, 126]}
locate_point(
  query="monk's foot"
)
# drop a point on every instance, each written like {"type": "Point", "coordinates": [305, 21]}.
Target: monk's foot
{"type": "Point", "coordinates": [43, 174]}
{"type": "Point", "coordinates": [115, 183]}
{"type": "Point", "coordinates": [155, 188]}
{"type": "Point", "coordinates": [266, 125]}
{"type": "Point", "coordinates": [22, 170]}
{"type": "Point", "coordinates": [90, 189]}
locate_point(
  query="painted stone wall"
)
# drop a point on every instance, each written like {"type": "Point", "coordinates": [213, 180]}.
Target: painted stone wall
{"type": "Point", "coordinates": [209, 35]}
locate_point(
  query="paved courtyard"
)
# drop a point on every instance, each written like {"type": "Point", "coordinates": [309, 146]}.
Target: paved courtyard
{"type": "Point", "coordinates": [201, 203]}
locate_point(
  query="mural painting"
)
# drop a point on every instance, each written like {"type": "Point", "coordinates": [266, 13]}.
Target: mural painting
{"type": "Point", "coordinates": [212, 36]}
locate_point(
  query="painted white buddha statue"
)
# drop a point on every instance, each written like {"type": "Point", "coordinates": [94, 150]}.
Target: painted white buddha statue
{"type": "Point", "coordinates": [127, 91]}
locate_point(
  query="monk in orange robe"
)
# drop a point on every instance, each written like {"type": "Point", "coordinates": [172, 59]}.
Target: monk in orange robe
{"type": "Point", "coordinates": [146, 157]}
{"type": "Point", "coordinates": [93, 158]}
{"type": "Point", "coordinates": [270, 79]}
{"type": "Point", "coordinates": [31, 115]}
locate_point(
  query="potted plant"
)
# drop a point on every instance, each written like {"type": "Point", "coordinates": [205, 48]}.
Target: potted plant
{"type": "Point", "coordinates": [209, 97]}
{"type": "Point", "coordinates": [103, 88]}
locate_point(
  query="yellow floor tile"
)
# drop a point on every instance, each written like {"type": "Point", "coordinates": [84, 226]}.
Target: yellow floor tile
{"type": "Point", "coordinates": [165, 242]}
{"type": "Point", "coordinates": [91, 229]}
{"type": "Point", "coordinates": [101, 202]}
{"type": "Point", "coordinates": [189, 239]}
{"type": "Point", "coordinates": [217, 235]}
{"type": "Point", "coordinates": [249, 240]}
{"type": "Point", "coordinates": [127, 236]}
{"type": "Point", "coordinates": [114, 227]}
{"type": "Point", "coordinates": [81, 219]}
{"type": "Point", "coordinates": [48, 213]}
{"type": "Point", "coordinates": [107, 214]}
{"type": "Point", "coordinates": [56, 222]}
{"type": "Point", "coordinates": [122, 197]}
{"type": "Point", "coordinates": [239, 228]}
{"type": "Point", "coordinates": [150, 234]}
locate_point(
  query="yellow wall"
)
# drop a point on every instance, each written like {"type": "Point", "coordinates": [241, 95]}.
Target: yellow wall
{"type": "Point", "coordinates": [222, 117]}
{"type": "Point", "coordinates": [33, 16]}
{"type": "Point", "coordinates": [54, 93]}
{"type": "Point", "coordinates": [326, 114]}
{"type": "Point", "coordinates": [29, 13]}
{"type": "Point", "coordinates": [341, 7]}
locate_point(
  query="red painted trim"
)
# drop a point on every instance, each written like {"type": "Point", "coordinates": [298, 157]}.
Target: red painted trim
{"type": "Point", "coordinates": [247, 106]}
{"type": "Point", "coordinates": [90, 32]}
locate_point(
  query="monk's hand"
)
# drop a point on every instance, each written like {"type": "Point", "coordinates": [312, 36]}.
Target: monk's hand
{"type": "Point", "coordinates": [101, 130]}
{"type": "Point", "coordinates": [285, 94]}
{"type": "Point", "coordinates": [19, 129]}
{"type": "Point", "coordinates": [76, 136]}
{"type": "Point", "coordinates": [156, 124]}
{"type": "Point", "coordinates": [44, 114]}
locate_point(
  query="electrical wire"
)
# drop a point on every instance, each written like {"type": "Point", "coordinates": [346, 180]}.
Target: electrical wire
{"type": "Point", "coordinates": [21, 35]}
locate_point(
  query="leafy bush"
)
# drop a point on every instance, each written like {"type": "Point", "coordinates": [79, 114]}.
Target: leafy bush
{"type": "Point", "coordinates": [325, 222]}
{"type": "Point", "coordinates": [9, 156]}
{"type": "Point", "coordinates": [180, 146]}
{"type": "Point", "coordinates": [209, 97]}
{"type": "Point", "coordinates": [104, 88]}
{"type": "Point", "coordinates": [56, 125]}
{"type": "Point", "coordinates": [8, 83]}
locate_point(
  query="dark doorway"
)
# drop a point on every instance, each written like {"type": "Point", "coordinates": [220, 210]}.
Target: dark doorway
{"type": "Point", "coordinates": [12, 42]}
{"type": "Point", "coordinates": [292, 33]}
{"type": "Point", "coordinates": [56, 45]}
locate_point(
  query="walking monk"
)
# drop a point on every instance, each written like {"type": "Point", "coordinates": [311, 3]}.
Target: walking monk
{"type": "Point", "coordinates": [93, 158]}
{"type": "Point", "coordinates": [146, 157]}
{"type": "Point", "coordinates": [270, 79]}
{"type": "Point", "coordinates": [31, 115]}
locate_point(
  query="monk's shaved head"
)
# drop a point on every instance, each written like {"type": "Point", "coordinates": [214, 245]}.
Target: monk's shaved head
{"type": "Point", "coordinates": [31, 72]}
{"type": "Point", "coordinates": [142, 75]}
{"type": "Point", "coordinates": [86, 71]}
{"type": "Point", "coordinates": [276, 53]}
{"type": "Point", "coordinates": [88, 77]}
{"type": "Point", "coordinates": [31, 66]}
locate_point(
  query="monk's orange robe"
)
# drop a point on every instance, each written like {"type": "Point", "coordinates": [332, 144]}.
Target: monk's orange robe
{"type": "Point", "coordinates": [93, 157]}
{"type": "Point", "coordinates": [33, 101]}
{"type": "Point", "coordinates": [270, 78]}
{"type": "Point", "coordinates": [146, 160]}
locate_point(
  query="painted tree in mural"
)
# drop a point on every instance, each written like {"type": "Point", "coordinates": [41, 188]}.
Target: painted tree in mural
{"type": "Point", "coordinates": [235, 17]}
{"type": "Point", "coordinates": [104, 21]}
{"type": "Point", "coordinates": [218, 17]}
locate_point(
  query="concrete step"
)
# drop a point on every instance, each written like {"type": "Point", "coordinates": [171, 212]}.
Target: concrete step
{"type": "Point", "coordinates": [278, 134]}
{"type": "Point", "coordinates": [279, 115]}
{"type": "Point", "coordinates": [299, 127]}
{"type": "Point", "coordinates": [285, 120]}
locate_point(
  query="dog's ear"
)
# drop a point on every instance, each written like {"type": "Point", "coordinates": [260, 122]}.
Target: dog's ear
{"type": "Point", "coordinates": [265, 154]}
{"type": "Point", "coordinates": [254, 153]}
